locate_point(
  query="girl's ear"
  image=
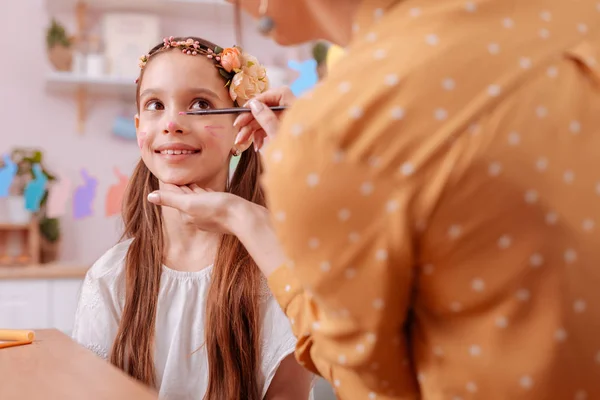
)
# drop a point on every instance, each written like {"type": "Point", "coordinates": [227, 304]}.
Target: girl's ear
{"type": "Point", "coordinates": [137, 121]}
{"type": "Point", "coordinates": [242, 147]}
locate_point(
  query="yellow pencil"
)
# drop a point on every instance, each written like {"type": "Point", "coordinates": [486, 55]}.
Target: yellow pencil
{"type": "Point", "coordinates": [19, 335]}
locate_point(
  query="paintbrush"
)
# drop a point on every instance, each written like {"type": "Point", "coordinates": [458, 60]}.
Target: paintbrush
{"type": "Point", "coordinates": [235, 110]}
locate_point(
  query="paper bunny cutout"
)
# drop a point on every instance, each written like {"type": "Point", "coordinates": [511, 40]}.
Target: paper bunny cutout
{"type": "Point", "coordinates": [308, 76]}
{"type": "Point", "coordinates": [114, 196]}
{"type": "Point", "coordinates": [7, 175]}
{"type": "Point", "coordinates": [84, 196]}
{"type": "Point", "coordinates": [58, 195]}
{"type": "Point", "coordinates": [35, 189]}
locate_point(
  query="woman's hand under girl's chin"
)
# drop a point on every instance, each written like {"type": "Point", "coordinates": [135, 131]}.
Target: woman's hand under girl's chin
{"type": "Point", "coordinates": [209, 210]}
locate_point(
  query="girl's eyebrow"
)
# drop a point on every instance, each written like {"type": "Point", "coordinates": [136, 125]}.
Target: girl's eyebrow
{"type": "Point", "coordinates": [203, 91]}
{"type": "Point", "coordinates": [191, 92]}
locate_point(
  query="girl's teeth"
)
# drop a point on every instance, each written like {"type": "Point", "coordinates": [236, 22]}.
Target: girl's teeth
{"type": "Point", "coordinates": [177, 152]}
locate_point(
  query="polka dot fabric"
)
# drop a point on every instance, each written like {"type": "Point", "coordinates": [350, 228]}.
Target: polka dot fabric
{"type": "Point", "coordinates": [438, 197]}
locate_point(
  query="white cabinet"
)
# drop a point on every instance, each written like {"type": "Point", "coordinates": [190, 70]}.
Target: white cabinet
{"type": "Point", "coordinates": [38, 303]}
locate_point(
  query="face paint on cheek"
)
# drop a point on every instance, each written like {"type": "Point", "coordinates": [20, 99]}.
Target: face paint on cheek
{"type": "Point", "coordinates": [141, 139]}
{"type": "Point", "coordinates": [214, 129]}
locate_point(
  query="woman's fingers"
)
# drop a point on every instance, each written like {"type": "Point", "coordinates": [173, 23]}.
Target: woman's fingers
{"type": "Point", "coordinates": [282, 96]}
{"type": "Point", "coordinates": [243, 119]}
{"type": "Point", "coordinates": [267, 119]}
{"type": "Point", "coordinates": [172, 188]}
{"type": "Point", "coordinates": [245, 134]}
{"type": "Point", "coordinates": [196, 189]}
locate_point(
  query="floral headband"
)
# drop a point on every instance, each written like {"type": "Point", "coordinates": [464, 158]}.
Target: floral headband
{"type": "Point", "coordinates": [243, 73]}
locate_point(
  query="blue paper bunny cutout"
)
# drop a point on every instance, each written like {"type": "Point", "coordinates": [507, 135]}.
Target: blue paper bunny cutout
{"type": "Point", "coordinates": [7, 175]}
{"type": "Point", "coordinates": [308, 76]}
{"type": "Point", "coordinates": [35, 189]}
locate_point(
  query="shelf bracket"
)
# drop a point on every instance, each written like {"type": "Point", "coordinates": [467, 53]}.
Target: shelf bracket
{"type": "Point", "coordinates": [80, 12]}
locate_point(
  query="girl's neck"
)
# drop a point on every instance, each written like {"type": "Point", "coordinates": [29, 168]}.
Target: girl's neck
{"type": "Point", "coordinates": [187, 248]}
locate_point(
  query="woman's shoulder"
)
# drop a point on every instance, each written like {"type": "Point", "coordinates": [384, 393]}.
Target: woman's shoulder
{"type": "Point", "coordinates": [111, 262]}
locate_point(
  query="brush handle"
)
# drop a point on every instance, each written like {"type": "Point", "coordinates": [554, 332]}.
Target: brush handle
{"type": "Point", "coordinates": [235, 110]}
{"type": "Point", "coordinates": [6, 345]}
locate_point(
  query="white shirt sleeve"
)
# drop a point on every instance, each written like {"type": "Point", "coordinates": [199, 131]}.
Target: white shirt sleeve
{"type": "Point", "coordinates": [100, 303]}
{"type": "Point", "coordinates": [277, 341]}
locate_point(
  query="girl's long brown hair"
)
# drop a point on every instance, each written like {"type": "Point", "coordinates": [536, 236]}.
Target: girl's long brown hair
{"type": "Point", "coordinates": [232, 317]}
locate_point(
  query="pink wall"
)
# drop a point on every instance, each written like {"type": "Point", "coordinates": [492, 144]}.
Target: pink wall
{"type": "Point", "coordinates": [33, 117]}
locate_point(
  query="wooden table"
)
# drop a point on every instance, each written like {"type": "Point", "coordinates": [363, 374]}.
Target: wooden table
{"type": "Point", "coordinates": [56, 368]}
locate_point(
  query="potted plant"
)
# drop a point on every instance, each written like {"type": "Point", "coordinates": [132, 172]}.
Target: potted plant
{"type": "Point", "coordinates": [49, 239]}
{"type": "Point", "coordinates": [25, 159]}
{"type": "Point", "coordinates": [59, 45]}
{"type": "Point", "coordinates": [319, 51]}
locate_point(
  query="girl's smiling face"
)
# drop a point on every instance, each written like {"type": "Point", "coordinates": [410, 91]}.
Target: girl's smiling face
{"type": "Point", "coordinates": [184, 149]}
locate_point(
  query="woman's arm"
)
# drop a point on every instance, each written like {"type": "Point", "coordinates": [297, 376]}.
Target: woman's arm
{"type": "Point", "coordinates": [251, 224]}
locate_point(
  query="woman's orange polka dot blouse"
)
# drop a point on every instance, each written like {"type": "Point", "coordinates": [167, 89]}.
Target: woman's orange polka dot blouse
{"type": "Point", "coordinates": [439, 199]}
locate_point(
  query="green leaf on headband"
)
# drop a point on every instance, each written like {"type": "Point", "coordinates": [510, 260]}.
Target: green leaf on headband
{"type": "Point", "coordinates": [224, 74]}
{"type": "Point", "coordinates": [218, 49]}
{"type": "Point", "coordinates": [250, 64]}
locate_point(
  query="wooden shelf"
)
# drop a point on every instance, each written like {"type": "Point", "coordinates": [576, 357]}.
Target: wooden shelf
{"type": "Point", "coordinates": [14, 227]}
{"type": "Point", "coordinates": [43, 271]}
{"type": "Point", "coordinates": [82, 86]}
{"type": "Point", "coordinates": [70, 83]}
{"type": "Point", "coordinates": [179, 8]}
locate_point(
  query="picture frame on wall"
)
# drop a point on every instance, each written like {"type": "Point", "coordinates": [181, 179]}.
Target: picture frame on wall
{"type": "Point", "coordinates": [127, 36]}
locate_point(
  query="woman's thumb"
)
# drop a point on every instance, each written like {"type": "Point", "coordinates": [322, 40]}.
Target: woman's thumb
{"type": "Point", "coordinates": [168, 199]}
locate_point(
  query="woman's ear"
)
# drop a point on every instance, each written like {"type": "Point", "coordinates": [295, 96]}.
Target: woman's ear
{"type": "Point", "coordinates": [137, 121]}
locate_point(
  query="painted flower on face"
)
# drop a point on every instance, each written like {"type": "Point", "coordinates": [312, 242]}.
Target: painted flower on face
{"type": "Point", "coordinates": [231, 59]}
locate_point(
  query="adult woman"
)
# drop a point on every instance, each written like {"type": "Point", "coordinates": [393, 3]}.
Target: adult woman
{"type": "Point", "coordinates": [446, 162]}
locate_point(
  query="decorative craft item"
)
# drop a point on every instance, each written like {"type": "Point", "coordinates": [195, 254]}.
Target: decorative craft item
{"type": "Point", "coordinates": [8, 171]}
{"type": "Point", "coordinates": [114, 196]}
{"type": "Point", "coordinates": [308, 77]}
{"type": "Point", "coordinates": [58, 195]}
{"type": "Point", "coordinates": [124, 127]}
{"type": "Point", "coordinates": [35, 189]}
{"type": "Point", "coordinates": [84, 195]}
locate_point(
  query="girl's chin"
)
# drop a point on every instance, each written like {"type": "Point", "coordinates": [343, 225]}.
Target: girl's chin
{"type": "Point", "coordinates": [177, 181]}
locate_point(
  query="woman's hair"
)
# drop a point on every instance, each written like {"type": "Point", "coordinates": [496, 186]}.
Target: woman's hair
{"type": "Point", "coordinates": [232, 317]}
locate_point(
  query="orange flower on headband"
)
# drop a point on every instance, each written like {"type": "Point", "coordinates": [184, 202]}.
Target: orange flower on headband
{"type": "Point", "coordinates": [231, 59]}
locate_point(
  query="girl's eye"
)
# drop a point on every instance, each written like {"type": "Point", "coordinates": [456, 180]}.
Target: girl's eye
{"type": "Point", "coordinates": [200, 104]}
{"type": "Point", "coordinates": [154, 105]}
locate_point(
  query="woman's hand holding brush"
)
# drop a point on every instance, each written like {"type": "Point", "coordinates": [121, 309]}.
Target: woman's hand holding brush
{"type": "Point", "coordinates": [262, 122]}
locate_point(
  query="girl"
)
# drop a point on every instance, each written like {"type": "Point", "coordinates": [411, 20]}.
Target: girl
{"type": "Point", "coordinates": [178, 308]}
